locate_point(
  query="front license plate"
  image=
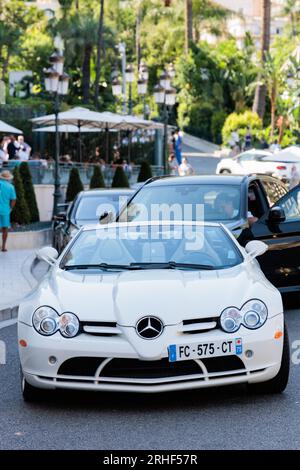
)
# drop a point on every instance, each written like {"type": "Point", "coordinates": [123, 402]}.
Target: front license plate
{"type": "Point", "coordinates": [184, 352]}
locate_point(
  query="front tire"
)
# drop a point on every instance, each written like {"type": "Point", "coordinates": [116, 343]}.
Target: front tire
{"type": "Point", "coordinates": [280, 381]}
{"type": "Point", "coordinates": [225, 172]}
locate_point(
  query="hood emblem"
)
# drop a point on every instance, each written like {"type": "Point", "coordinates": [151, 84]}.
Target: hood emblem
{"type": "Point", "coordinates": [149, 327]}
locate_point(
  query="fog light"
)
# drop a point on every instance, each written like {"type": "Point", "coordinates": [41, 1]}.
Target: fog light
{"type": "Point", "coordinates": [52, 360]}
{"type": "Point", "coordinates": [249, 353]}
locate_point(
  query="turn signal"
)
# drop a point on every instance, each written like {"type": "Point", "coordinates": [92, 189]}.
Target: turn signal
{"type": "Point", "coordinates": [23, 343]}
{"type": "Point", "coordinates": [278, 334]}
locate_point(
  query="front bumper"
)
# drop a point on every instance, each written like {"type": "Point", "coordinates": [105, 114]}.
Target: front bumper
{"type": "Point", "coordinates": [100, 361]}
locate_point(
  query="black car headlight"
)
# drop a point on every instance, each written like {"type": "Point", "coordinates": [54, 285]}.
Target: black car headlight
{"type": "Point", "coordinates": [252, 315]}
{"type": "Point", "coordinates": [47, 321]}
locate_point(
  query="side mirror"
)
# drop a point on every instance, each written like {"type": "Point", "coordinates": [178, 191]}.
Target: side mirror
{"type": "Point", "coordinates": [106, 218]}
{"type": "Point", "coordinates": [47, 254]}
{"type": "Point", "coordinates": [276, 215]}
{"type": "Point", "coordinates": [256, 248]}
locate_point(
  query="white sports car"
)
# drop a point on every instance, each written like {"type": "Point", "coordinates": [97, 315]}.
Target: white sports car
{"type": "Point", "coordinates": [260, 162]}
{"type": "Point", "coordinates": [153, 307]}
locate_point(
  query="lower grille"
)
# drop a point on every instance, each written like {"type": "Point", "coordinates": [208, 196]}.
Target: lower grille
{"type": "Point", "coordinates": [137, 369]}
{"type": "Point", "coordinates": [82, 366]}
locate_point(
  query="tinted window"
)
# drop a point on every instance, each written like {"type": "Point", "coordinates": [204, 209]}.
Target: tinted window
{"type": "Point", "coordinates": [91, 207]}
{"type": "Point", "coordinates": [274, 191]}
{"type": "Point", "coordinates": [185, 202]}
{"type": "Point", "coordinates": [291, 205]}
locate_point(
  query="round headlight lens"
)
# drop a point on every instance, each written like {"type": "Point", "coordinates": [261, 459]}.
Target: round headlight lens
{"type": "Point", "coordinates": [230, 320]}
{"type": "Point", "coordinates": [45, 321]}
{"type": "Point", "coordinates": [68, 325]}
{"type": "Point", "coordinates": [255, 314]}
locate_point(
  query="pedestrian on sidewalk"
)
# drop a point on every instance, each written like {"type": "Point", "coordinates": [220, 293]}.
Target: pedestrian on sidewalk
{"type": "Point", "coordinates": [185, 169]}
{"type": "Point", "coordinates": [7, 202]}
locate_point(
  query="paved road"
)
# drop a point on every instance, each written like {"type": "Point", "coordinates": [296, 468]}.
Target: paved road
{"type": "Point", "coordinates": [214, 419]}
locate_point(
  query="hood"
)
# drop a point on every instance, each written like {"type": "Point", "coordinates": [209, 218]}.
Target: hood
{"type": "Point", "coordinates": [172, 295]}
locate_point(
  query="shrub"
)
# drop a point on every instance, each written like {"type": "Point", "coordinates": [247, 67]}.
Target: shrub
{"type": "Point", "coordinates": [74, 185]}
{"type": "Point", "coordinates": [240, 123]}
{"type": "Point", "coordinates": [145, 172]}
{"type": "Point", "coordinates": [29, 192]}
{"type": "Point", "coordinates": [217, 122]}
{"type": "Point", "coordinates": [120, 179]}
{"type": "Point", "coordinates": [195, 118]}
{"type": "Point", "coordinates": [20, 213]}
{"type": "Point", "coordinates": [97, 180]}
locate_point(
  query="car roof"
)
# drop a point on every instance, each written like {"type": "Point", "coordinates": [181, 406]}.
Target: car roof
{"type": "Point", "coordinates": [254, 151]}
{"type": "Point", "coordinates": [106, 192]}
{"type": "Point", "coordinates": [199, 179]}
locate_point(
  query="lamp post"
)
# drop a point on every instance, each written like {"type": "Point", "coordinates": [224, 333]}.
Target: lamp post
{"type": "Point", "coordinates": [128, 77]}
{"type": "Point", "coordinates": [165, 96]}
{"type": "Point", "coordinates": [56, 83]}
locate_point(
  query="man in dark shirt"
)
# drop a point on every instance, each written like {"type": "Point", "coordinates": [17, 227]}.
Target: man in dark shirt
{"type": "Point", "coordinates": [12, 148]}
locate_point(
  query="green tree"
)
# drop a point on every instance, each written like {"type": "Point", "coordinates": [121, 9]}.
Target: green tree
{"type": "Point", "coordinates": [29, 192]}
{"type": "Point", "coordinates": [259, 103]}
{"type": "Point", "coordinates": [145, 172]}
{"type": "Point", "coordinates": [240, 123]}
{"type": "Point", "coordinates": [20, 213]}
{"type": "Point", "coordinates": [74, 185]}
{"type": "Point", "coordinates": [120, 179]}
{"type": "Point", "coordinates": [97, 180]}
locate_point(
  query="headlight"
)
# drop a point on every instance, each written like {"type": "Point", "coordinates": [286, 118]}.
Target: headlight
{"type": "Point", "coordinates": [46, 321]}
{"type": "Point", "coordinates": [255, 314]}
{"type": "Point", "coordinates": [252, 315]}
{"type": "Point", "coordinates": [68, 325]}
{"type": "Point", "coordinates": [231, 319]}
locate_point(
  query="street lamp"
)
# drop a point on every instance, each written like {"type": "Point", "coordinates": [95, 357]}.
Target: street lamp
{"type": "Point", "coordinates": [165, 96]}
{"type": "Point", "coordinates": [129, 77]}
{"type": "Point", "coordinates": [56, 83]}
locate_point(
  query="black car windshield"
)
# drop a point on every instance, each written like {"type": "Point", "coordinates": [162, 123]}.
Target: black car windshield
{"type": "Point", "coordinates": [91, 207]}
{"type": "Point", "coordinates": [153, 246]}
{"type": "Point", "coordinates": [210, 202]}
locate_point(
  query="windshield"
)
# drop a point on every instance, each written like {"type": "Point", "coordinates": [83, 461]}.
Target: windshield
{"type": "Point", "coordinates": [213, 202]}
{"type": "Point", "coordinates": [203, 247]}
{"type": "Point", "coordinates": [91, 207]}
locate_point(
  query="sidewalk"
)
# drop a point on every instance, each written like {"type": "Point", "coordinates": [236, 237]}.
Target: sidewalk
{"type": "Point", "coordinates": [15, 280]}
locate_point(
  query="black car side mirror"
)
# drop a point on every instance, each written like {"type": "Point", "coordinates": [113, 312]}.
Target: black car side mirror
{"type": "Point", "coordinates": [276, 215]}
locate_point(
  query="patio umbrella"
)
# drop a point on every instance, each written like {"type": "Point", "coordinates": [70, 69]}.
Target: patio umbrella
{"type": "Point", "coordinates": [82, 117]}
{"type": "Point", "coordinates": [66, 129]}
{"type": "Point", "coordinates": [7, 129]}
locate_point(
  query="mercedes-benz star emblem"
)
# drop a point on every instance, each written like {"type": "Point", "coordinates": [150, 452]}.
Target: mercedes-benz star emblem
{"type": "Point", "coordinates": [149, 327]}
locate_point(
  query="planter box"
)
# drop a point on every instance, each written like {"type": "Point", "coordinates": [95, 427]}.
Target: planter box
{"type": "Point", "coordinates": [29, 240]}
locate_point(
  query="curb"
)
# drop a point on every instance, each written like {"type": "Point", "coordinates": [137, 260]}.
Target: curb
{"type": "Point", "coordinates": [10, 312]}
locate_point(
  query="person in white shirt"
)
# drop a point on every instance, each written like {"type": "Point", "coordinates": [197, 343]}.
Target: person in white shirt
{"type": "Point", "coordinates": [185, 168]}
{"type": "Point", "coordinates": [295, 177]}
{"type": "Point", "coordinates": [24, 149]}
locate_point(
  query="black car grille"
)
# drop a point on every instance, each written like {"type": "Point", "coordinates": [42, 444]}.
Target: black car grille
{"type": "Point", "coordinates": [137, 369]}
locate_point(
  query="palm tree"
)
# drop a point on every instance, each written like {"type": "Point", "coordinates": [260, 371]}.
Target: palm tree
{"type": "Point", "coordinates": [261, 92]}
{"type": "Point", "coordinates": [291, 9]}
{"type": "Point", "coordinates": [188, 24]}
{"type": "Point", "coordinates": [99, 49]}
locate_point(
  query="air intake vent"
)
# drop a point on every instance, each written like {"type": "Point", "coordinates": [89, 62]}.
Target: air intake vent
{"type": "Point", "coordinates": [198, 325]}
{"type": "Point", "coordinates": [101, 328]}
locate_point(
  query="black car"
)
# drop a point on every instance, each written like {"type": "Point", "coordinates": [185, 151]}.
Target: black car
{"type": "Point", "coordinates": [85, 210]}
{"type": "Point", "coordinates": [252, 207]}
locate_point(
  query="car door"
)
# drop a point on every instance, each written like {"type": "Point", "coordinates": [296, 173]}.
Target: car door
{"type": "Point", "coordinates": [281, 263]}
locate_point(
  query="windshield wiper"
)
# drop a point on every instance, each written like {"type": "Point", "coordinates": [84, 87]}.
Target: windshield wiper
{"type": "Point", "coordinates": [103, 266]}
{"type": "Point", "coordinates": [172, 265]}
